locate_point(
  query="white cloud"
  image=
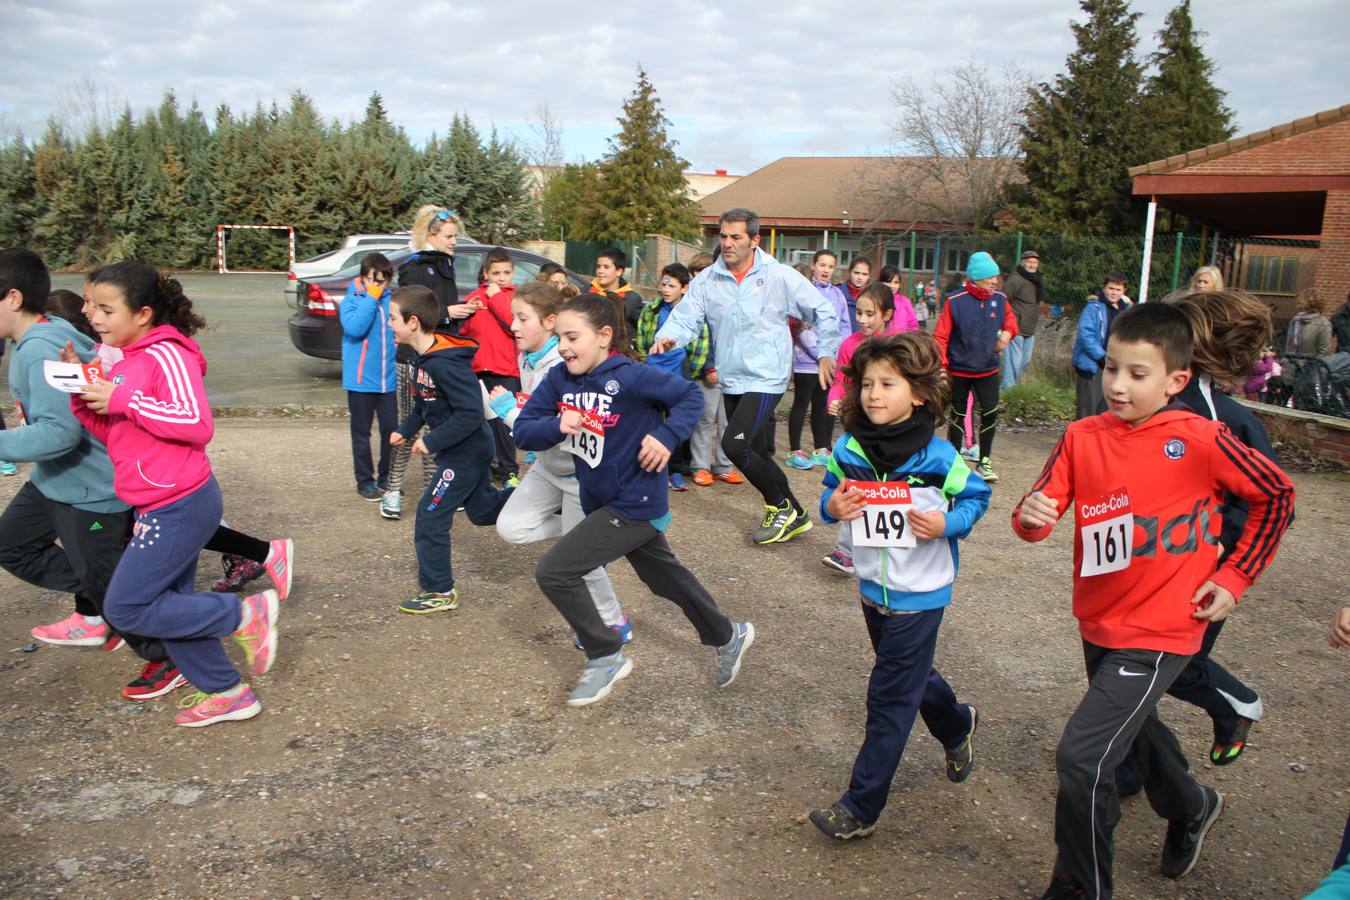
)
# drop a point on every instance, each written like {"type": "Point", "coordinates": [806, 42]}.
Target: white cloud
{"type": "Point", "coordinates": [743, 86]}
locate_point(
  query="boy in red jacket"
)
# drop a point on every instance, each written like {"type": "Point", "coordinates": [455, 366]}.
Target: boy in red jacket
{"type": "Point", "coordinates": [1145, 481]}
{"type": "Point", "coordinates": [495, 362]}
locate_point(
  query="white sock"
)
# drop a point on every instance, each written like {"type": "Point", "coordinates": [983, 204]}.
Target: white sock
{"type": "Point", "coordinates": [271, 554]}
{"type": "Point", "coordinates": [234, 691]}
{"type": "Point", "coordinates": [92, 620]}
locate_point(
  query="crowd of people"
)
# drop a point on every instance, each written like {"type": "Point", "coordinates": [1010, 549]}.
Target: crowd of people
{"type": "Point", "coordinates": [613, 399]}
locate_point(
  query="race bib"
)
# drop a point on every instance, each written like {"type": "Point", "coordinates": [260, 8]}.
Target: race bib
{"type": "Point", "coordinates": [521, 400]}
{"type": "Point", "coordinates": [884, 521]}
{"type": "Point", "coordinates": [1107, 528]}
{"type": "Point", "coordinates": [72, 378]}
{"type": "Point", "coordinates": [588, 444]}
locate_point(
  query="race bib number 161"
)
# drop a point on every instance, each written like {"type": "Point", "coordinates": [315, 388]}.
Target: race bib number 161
{"type": "Point", "coordinates": [588, 444]}
{"type": "Point", "coordinates": [1107, 529]}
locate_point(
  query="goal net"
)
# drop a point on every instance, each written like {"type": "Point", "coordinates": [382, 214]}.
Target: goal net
{"type": "Point", "coordinates": [223, 230]}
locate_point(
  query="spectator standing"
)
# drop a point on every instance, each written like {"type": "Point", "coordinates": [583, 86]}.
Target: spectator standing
{"type": "Point", "coordinates": [1024, 291]}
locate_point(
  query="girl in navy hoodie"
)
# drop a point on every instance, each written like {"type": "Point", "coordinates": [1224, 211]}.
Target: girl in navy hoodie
{"type": "Point", "coordinates": [621, 420]}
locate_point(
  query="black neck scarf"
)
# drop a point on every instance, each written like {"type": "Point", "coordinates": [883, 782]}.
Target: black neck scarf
{"type": "Point", "coordinates": [888, 446]}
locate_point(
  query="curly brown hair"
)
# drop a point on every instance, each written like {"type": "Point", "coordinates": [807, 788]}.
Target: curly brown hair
{"type": "Point", "coordinates": [915, 355]}
{"type": "Point", "coordinates": [1231, 329]}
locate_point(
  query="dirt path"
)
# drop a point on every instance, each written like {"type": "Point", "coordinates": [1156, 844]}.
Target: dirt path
{"type": "Point", "coordinates": [420, 756]}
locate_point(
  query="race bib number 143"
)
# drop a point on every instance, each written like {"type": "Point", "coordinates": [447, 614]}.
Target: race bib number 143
{"type": "Point", "coordinates": [883, 522]}
{"type": "Point", "coordinates": [1107, 529]}
{"type": "Point", "coordinates": [588, 444]}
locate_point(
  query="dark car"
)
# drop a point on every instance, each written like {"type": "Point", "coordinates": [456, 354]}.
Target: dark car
{"type": "Point", "coordinates": [316, 331]}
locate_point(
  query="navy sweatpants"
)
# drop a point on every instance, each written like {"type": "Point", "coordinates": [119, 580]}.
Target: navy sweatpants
{"type": "Point", "coordinates": [152, 594]}
{"type": "Point", "coordinates": [903, 684]}
{"type": "Point", "coordinates": [452, 488]}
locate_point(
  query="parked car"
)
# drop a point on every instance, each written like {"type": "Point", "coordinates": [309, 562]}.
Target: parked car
{"type": "Point", "coordinates": [354, 246]}
{"type": "Point", "coordinates": [315, 329]}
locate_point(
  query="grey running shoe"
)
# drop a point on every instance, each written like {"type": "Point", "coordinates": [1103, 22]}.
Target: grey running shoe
{"type": "Point", "coordinates": [391, 504]}
{"type": "Point", "coordinates": [730, 654]}
{"type": "Point", "coordinates": [598, 678]}
{"type": "Point", "coordinates": [961, 758]}
{"type": "Point", "coordinates": [841, 824]}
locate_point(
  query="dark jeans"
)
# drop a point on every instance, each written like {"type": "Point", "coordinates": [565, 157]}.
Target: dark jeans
{"type": "Point", "coordinates": [506, 462]}
{"type": "Point", "coordinates": [745, 441]}
{"type": "Point", "coordinates": [1205, 683]}
{"type": "Point", "coordinates": [806, 391]}
{"type": "Point", "coordinates": [81, 564]}
{"type": "Point", "coordinates": [601, 538]}
{"type": "Point", "coordinates": [986, 402]}
{"type": "Point", "coordinates": [470, 488]}
{"type": "Point", "coordinates": [363, 408]}
{"type": "Point", "coordinates": [1117, 717]}
{"type": "Point", "coordinates": [903, 684]}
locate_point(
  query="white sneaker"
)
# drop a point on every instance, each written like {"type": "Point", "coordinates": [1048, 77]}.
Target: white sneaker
{"type": "Point", "coordinates": [391, 504]}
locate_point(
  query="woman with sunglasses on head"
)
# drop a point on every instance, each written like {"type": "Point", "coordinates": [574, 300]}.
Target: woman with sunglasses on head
{"type": "Point", "coordinates": [368, 350]}
{"type": "Point", "coordinates": [432, 265]}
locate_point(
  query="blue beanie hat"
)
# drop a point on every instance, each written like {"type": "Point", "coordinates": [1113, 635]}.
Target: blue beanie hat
{"type": "Point", "coordinates": [981, 265]}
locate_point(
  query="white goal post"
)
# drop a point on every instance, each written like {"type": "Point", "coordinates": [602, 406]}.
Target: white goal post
{"type": "Point", "coordinates": [220, 242]}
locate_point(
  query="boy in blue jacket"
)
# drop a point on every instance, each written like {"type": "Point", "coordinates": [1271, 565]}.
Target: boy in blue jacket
{"type": "Point", "coordinates": [448, 400]}
{"type": "Point", "coordinates": [1089, 345]}
{"type": "Point", "coordinates": [69, 497]}
{"type": "Point", "coordinates": [368, 377]}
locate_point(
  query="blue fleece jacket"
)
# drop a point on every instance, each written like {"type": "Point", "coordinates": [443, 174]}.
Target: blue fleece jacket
{"type": "Point", "coordinates": [368, 349]}
{"type": "Point", "coordinates": [632, 402]}
{"type": "Point", "coordinates": [71, 465]}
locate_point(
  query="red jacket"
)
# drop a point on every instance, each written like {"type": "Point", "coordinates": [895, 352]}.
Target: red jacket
{"type": "Point", "coordinates": [491, 328]}
{"type": "Point", "coordinates": [1170, 474]}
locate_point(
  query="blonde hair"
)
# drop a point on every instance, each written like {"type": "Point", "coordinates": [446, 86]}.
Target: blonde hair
{"type": "Point", "coordinates": [1230, 328]}
{"type": "Point", "coordinates": [1214, 275]}
{"type": "Point", "coordinates": [1314, 300]}
{"type": "Point", "coordinates": [422, 222]}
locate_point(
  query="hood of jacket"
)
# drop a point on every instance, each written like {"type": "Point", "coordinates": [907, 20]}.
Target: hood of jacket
{"type": "Point", "coordinates": [168, 333]}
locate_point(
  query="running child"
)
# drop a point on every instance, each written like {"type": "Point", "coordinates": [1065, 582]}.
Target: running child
{"type": "Point", "coordinates": [906, 318]}
{"type": "Point", "coordinates": [622, 420]}
{"type": "Point", "coordinates": [876, 315]}
{"type": "Point", "coordinates": [823, 264]}
{"type": "Point", "coordinates": [807, 393]}
{"type": "Point", "coordinates": [152, 414]}
{"type": "Point", "coordinates": [974, 327]}
{"type": "Point", "coordinates": [610, 265]}
{"type": "Point", "coordinates": [495, 361]}
{"type": "Point", "coordinates": [1143, 593]}
{"type": "Point", "coordinates": [859, 277]}
{"type": "Point", "coordinates": [368, 376]}
{"type": "Point", "coordinates": [448, 400]}
{"type": "Point", "coordinates": [550, 485]}
{"type": "Point", "coordinates": [706, 443]}
{"type": "Point", "coordinates": [906, 559]}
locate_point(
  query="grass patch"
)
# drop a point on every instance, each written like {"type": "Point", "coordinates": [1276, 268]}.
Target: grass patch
{"type": "Point", "coordinates": [1038, 400]}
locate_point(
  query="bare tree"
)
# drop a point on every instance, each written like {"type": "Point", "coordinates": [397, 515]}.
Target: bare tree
{"type": "Point", "coordinates": [957, 144]}
{"type": "Point", "coordinates": [86, 108]}
{"type": "Point", "coordinates": [544, 149]}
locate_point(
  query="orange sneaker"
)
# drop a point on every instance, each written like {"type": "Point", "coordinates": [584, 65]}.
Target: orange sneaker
{"type": "Point", "coordinates": [703, 478]}
{"type": "Point", "coordinates": [732, 477]}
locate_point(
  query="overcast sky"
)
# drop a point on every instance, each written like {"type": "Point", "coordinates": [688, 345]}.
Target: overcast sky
{"type": "Point", "coordinates": [743, 84]}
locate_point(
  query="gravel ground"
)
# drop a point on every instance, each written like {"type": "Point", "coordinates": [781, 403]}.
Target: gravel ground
{"type": "Point", "coordinates": [417, 756]}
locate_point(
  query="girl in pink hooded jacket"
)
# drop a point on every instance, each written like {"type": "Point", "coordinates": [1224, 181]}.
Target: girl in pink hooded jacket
{"type": "Point", "coordinates": [151, 412]}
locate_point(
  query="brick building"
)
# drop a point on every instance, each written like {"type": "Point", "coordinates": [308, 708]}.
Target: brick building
{"type": "Point", "coordinates": [1291, 181]}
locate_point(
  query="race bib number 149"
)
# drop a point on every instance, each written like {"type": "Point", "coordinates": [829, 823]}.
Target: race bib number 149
{"type": "Point", "coordinates": [883, 522]}
{"type": "Point", "coordinates": [588, 444]}
{"type": "Point", "coordinates": [1107, 529]}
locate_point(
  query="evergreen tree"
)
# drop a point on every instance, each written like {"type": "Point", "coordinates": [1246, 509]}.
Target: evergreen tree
{"type": "Point", "coordinates": [1183, 107]}
{"type": "Point", "coordinates": [641, 186]}
{"type": "Point", "coordinates": [1082, 132]}
{"type": "Point", "coordinates": [568, 200]}
{"type": "Point", "coordinates": [505, 212]}
{"type": "Point", "coordinates": [18, 193]}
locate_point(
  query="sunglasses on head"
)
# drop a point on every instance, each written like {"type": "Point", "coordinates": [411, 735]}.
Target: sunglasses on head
{"type": "Point", "coordinates": [444, 215]}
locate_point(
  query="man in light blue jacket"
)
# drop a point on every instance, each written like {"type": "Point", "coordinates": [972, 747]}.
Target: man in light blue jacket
{"type": "Point", "coordinates": [746, 299]}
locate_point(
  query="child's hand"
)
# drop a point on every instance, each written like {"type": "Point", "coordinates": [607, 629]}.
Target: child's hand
{"type": "Point", "coordinates": [496, 392]}
{"type": "Point", "coordinates": [826, 366]}
{"type": "Point", "coordinates": [653, 455]}
{"type": "Point", "coordinates": [846, 503]}
{"type": "Point", "coordinates": [397, 440]}
{"type": "Point", "coordinates": [1221, 602]}
{"type": "Point", "coordinates": [833, 407]}
{"type": "Point", "coordinates": [492, 289]}
{"type": "Point", "coordinates": [665, 345]}
{"type": "Point", "coordinates": [927, 526]}
{"type": "Point", "coordinates": [460, 310]}
{"type": "Point", "coordinates": [1340, 630]}
{"type": "Point", "coordinates": [570, 421]}
{"type": "Point", "coordinates": [97, 396]}
{"type": "Point", "coordinates": [68, 354]}
{"type": "Point", "coordinates": [1038, 510]}
{"type": "Point", "coordinates": [710, 376]}
{"type": "Point", "coordinates": [420, 448]}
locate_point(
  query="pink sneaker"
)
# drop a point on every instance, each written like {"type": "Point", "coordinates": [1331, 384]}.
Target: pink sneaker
{"type": "Point", "coordinates": [73, 631]}
{"type": "Point", "coordinates": [200, 710]}
{"type": "Point", "coordinates": [283, 551]}
{"type": "Point", "coordinates": [259, 636]}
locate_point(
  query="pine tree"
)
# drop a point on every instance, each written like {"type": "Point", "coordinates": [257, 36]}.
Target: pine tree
{"type": "Point", "coordinates": [642, 188]}
{"type": "Point", "coordinates": [506, 212]}
{"type": "Point", "coordinates": [18, 193]}
{"type": "Point", "coordinates": [568, 200]}
{"type": "Point", "coordinates": [1182, 105]}
{"type": "Point", "coordinates": [1082, 132]}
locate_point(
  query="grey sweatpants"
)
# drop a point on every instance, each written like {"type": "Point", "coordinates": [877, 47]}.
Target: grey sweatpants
{"type": "Point", "coordinates": [705, 444]}
{"type": "Point", "coordinates": [1117, 717]}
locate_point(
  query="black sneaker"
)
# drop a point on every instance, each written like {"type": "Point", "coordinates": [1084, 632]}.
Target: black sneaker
{"type": "Point", "coordinates": [841, 824]}
{"type": "Point", "coordinates": [961, 759]}
{"type": "Point", "coordinates": [1225, 751]}
{"type": "Point", "coordinates": [1181, 847]}
{"type": "Point", "coordinates": [370, 491]}
{"type": "Point", "coordinates": [1062, 888]}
